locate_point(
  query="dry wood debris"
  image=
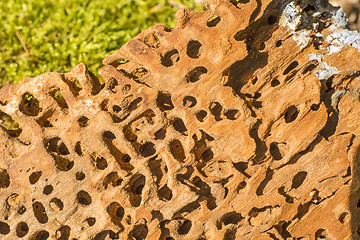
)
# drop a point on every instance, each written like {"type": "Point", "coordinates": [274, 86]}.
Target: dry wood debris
{"type": "Point", "coordinates": [241, 122]}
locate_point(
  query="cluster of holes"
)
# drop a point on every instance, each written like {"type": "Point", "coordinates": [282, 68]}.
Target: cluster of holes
{"type": "Point", "coordinates": [121, 158]}
{"type": "Point", "coordinates": [216, 110]}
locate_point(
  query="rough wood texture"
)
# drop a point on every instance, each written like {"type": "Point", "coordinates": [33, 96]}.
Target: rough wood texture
{"type": "Point", "coordinates": [239, 123]}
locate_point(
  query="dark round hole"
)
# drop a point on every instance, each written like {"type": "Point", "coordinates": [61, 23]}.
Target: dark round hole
{"type": "Point", "coordinates": [80, 176]}
{"type": "Point", "coordinates": [56, 204]}
{"type": "Point", "coordinates": [193, 49]}
{"type": "Point", "coordinates": [22, 229]}
{"type": "Point", "coordinates": [48, 189]}
{"type": "Point", "coordinates": [147, 149]}
{"type": "Point", "coordinates": [213, 21]}
{"type": "Point", "coordinates": [63, 232]}
{"type": "Point", "coordinates": [160, 134]}
{"type": "Point", "coordinates": [207, 155]}
{"type": "Point", "coordinates": [189, 101]}
{"type": "Point", "coordinates": [185, 227]}
{"type": "Point", "coordinates": [126, 88]}
{"type": "Point", "coordinates": [138, 185]}
{"type": "Point", "coordinates": [139, 189]}
{"type": "Point", "coordinates": [120, 212]}
{"type": "Point", "coordinates": [315, 107]}
{"type": "Point", "coordinates": [272, 19]}
{"type": "Point", "coordinates": [116, 108]}
{"type": "Point", "coordinates": [201, 115]}
{"type": "Point", "coordinates": [257, 95]}
{"type": "Point", "coordinates": [21, 210]}
{"type": "Point", "coordinates": [42, 235]}
{"type": "Point", "coordinates": [4, 228]}
{"type": "Point", "coordinates": [91, 221]}
{"type": "Point", "coordinates": [278, 43]}
{"type": "Point", "coordinates": [83, 121]}
{"type": "Point", "coordinates": [83, 198]}
{"type": "Point", "coordinates": [34, 177]}
{"type": "Point", "coordinates": [275, 83]}
{"type": "Point", "coordinates": [291, 114]}
{"type": "Point", "coordinates": [126, 158]}
{"type": "Point", "coordinates": [254, 81]}
{"type": "Point", "coordinates": [291, 67]}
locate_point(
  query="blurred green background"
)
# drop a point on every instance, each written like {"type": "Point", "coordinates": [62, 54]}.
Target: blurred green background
{"type": "Point", "coordinates": [55, 35]}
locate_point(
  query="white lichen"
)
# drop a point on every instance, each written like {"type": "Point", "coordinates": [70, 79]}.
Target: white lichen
{"type": "Point", "coordinates": [291, 16]}
{"type": "Point", "coordinates": [339, 20]}
{"type": "Point", "coordinates": [302, 38]}
{"type": "Point", "coordinates": [326, 70]}
{"type": "Point", "coordinates": [342, 38]}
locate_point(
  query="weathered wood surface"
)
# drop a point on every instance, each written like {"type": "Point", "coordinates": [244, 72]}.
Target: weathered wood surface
{"type": "Point", "coordinates": [239, 123]}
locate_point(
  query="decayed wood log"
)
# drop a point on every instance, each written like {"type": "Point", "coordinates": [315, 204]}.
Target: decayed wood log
{"type": "Point", "coordinates": [241, 122]}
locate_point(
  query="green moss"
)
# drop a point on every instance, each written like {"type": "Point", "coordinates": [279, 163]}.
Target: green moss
{"type": "Point", "coordinates": [60, 34]}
